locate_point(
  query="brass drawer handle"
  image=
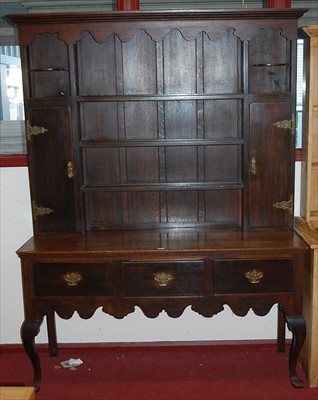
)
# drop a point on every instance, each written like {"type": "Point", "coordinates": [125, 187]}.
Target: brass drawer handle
{"type": "Point", "coordinates": [163, 278]}
{"type": "Point", "coordinates": [254, 276]}
{"type": "Point", "coordinates": [72, 278]}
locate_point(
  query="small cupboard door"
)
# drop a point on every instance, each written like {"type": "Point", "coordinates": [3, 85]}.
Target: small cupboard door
{"type": "Point", "coordinates": [271, 165]}
{"type": "Point", "coordinates": [51, 169]}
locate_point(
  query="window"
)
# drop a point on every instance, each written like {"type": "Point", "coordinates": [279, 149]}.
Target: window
{"type": "Point", "coordinates": [300, 91]}
{"type": "Point", "coordinates": [12, 138]}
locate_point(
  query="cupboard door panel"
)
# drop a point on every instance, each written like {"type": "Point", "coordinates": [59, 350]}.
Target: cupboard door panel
{"type": "Point", "coordinates": [52, 181]}
{"type": "Point", "coordinates": [271, 165]}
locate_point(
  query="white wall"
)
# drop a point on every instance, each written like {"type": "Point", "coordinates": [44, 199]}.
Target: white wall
{"type": "Point", "coordinates": [16, 228]}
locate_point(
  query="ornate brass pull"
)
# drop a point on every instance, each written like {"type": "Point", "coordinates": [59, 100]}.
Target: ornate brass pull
{"type": "Point", "coordinates": [254, 276]}
{"type": "Point", "coordinates": [163, 278]}
{"type": "Point", "coordinates": [72, 278]}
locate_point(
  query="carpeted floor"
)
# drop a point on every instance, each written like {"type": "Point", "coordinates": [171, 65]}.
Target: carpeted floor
{"type": "Point", "coordinates": [162, 372]}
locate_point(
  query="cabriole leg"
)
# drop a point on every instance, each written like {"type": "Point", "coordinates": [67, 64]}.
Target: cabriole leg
{"type": "Point", "coordinates": [29, 330]}
{"type": "Point", "coordinates": [297, 326]}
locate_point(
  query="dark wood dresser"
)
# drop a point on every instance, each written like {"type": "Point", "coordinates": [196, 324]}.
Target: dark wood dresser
{"type": "Point", "coordinates": [161, 163]}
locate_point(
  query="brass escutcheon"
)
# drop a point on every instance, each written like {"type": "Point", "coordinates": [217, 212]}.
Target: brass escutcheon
{"type": "Point", "coordinates": [70, 170]}
{"type": "Point", "coordinates": [253, 166]}
{"type": "Point", "coordinates": [163, 278]}
{"type": "Point", "coordinates": [254, 276]}
{"type": "Point", "coordinates": [72, 278]}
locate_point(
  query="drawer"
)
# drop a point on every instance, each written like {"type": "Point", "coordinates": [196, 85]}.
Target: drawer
{"type": "Point", "coordinates": [53, 279]}
{"type": "Point", "coordinates": [253, 276]}
{"type": "Point", "coordinates": [163, 278]}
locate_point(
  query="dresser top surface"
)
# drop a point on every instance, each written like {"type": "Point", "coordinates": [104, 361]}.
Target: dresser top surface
{"type": "Point", "coordinates": [161, 242]}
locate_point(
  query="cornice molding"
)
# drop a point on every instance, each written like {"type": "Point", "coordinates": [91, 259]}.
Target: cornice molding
{"type": "Point", "coordinates": [70, 26]}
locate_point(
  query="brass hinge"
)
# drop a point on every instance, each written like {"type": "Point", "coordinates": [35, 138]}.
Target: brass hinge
{"type": "Point", "coordinates": [40, 211]}
{"type": "Point", "coordinates": [287, 124]}
{"type": "Point", "coordinates": [34, 130]}
{"type": "Point", "coordinates": [286, 205]}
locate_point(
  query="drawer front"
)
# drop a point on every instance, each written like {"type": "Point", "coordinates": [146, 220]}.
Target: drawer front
{"type": "Point", "coordinates": [155, 279]}
{"type": "Point", "coordinates": [54, 279]}
{"type": "Point", "coordinates": [253, 276]}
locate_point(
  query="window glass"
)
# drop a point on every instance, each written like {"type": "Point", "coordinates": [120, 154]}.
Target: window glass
{"type": "Point", "coordinates": [12, 138]}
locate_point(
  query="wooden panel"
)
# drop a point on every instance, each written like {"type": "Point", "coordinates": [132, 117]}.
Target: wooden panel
{"type": "Point", "coordinates": [269, 62]}
{"type": "Point", "coordinates": [222, 119]}
{"type": "Point", "coordinates": [223, 207]}
{"type": "Point", "coordinates": [55, 50]}
{"type": "Point", "coordinates": [181, 164]}
{"type": "Point", "coordinates": [96, 66]}
{"type": "Point", "coordinates": [225, 74]}
{"type": "Point", "coordinates": [180, 119]}
{"type": "Point", "coordinates": [142, 165]}
{"type": "Point", "coordinates": [99, 216]}
{"type": "Point", "coordinates": [179, 64]}
{"type": "Point", "coordinates": [99, 121]}
{"type": "Point", "coordinates": [182, 206]}
{"type": "Point", "coordinates": [49, 83]}
{"type": "Point", "coordinates": [141, 120]}
{"type": "Point", "coordinates": [139, 65]}
{"type": "Point", "coordinates": [101, 166]}
{"type": "Point", "coordinates": [49, 75]}
{"type": "Point", "coordinates": [143, 208]}
{"type": "Point", "coordinates": [223, 163]}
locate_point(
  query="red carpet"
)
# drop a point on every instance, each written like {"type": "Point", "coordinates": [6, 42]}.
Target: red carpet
{"type": "Point", "coordinates": [186, 372]}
